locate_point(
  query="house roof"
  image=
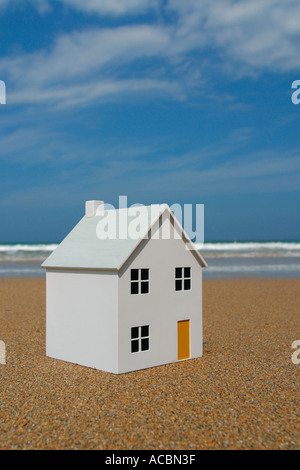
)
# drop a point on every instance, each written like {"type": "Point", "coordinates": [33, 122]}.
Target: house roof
{"type": "Point", "coordinates": [83, 249]}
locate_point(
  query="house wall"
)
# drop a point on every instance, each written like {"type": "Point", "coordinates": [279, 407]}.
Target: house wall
{"type": "Point", "coordinates": [162, 308]}
{"type": "Point", "coordinates": [81, 324]}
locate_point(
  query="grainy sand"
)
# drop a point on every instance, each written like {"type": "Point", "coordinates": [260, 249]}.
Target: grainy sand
{"type": "Point", "coordinates": [243, 393]}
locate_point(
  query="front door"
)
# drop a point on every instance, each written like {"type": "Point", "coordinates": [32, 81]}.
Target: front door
{"type": "Point", "coordinates": [183, 330]}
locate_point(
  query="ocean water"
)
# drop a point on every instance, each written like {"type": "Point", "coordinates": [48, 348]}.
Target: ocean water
{"type": "Point", "coordinates": [225, 259]}
{"type": "Point", "coordinates": [273, 259]}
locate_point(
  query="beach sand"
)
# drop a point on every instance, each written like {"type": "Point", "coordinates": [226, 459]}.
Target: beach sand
{"type": "Point", "coordinates": [242, 394]}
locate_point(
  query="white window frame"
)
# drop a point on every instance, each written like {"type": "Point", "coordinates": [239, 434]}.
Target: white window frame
{"type": "Point", "coordinates": [183, 278]}
{"type": "Point", "coordinates": [139, 338]}
{"type": "Point", "coordinates": [139, 281]}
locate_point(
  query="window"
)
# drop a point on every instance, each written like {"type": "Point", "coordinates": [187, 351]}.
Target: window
{"type": "Point", "coordinates": [139, 281]}
{"type": "Point", "coordinates": [183, 278]}
{"type": "Point", "coordinates": [140, 338]}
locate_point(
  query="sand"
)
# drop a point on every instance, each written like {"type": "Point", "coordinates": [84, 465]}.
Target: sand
{"type": "Point", "coordinates": [242, 394]}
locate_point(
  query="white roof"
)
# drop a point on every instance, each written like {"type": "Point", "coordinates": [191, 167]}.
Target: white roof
{"type": "Point", "coordinates": [83, 249]}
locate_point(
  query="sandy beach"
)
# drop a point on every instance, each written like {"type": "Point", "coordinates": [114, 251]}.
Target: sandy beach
{"type": "Point", "coordinates": [242, 394]}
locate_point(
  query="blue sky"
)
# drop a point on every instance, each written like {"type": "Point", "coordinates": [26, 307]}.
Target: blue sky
{"type": "Point", "coordinates": [159, 100]}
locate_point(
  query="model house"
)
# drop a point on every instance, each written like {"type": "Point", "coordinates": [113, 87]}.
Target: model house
{"type": "Point", "coordinates": [122, 303]}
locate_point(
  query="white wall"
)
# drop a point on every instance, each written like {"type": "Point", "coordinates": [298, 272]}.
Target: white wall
{"type": "Point", "coordinates": [81, 324]}
{"type": "Point", "coordinates": [162, 308]}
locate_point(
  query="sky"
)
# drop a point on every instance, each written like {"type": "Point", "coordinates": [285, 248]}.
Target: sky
{"type": "Point", "coordinates": [164, 101]}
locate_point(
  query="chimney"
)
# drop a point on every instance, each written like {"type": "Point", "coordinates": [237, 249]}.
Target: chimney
{"type": "Point", "coordinates": [91, 207]}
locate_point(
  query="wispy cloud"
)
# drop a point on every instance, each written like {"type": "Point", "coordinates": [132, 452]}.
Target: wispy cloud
{"type": "Point", "coordinates": [254, 35]}
{"type": "Point", "coordinates": [113, 7]}
{"type": "Point", "coordinates": [101, 7]}
{"type": "Point", "coordinates": [85, 66]}
{"type": "Point", "coordinates": [172, 56]}
{"type": "Point", "coordinates": [42, 6]}
{"type": "Point", "coordinates": [225, 167]}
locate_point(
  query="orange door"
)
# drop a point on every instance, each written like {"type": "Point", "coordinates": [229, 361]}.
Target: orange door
{"type": "Point", "coordinates": [183, 329]}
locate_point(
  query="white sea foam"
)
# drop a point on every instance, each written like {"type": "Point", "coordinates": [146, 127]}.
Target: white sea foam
{"type": "Point", "coordinates": [225, 259]}
{"type": "Point", "coordinates": [13, 248]}
{"type": "Point", "coordinates": [20, 252]}
{"type": "Point", "coordinates": [252, 245]}
{"type": "Point", "coordinates": [40, 251]}
{"type": "Point", "coordinates": [255, 268]}
{"type": "Point", "coordinates": [250, 249]}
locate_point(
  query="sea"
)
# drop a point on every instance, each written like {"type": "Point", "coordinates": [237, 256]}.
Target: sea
{"type": "Point", "coordinates": [226, 259]}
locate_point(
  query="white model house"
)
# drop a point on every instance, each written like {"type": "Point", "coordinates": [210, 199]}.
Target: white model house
{"type": "Point", "coordinates": [123, 303]}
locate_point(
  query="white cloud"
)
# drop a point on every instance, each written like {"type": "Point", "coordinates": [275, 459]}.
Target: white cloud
{"type": "Point", "coordinates": [100, 7]}
{"type": "Point", "coordinates": [64, 96]}
{"type": "Point", "coordinates": [112, 7]}
{"type": "Point", "coordinates": [85, 66]}
{"type": "Point", "coordinates": [251, 37]}
{"type": "Point", "coordinates": [255, 34]}
{"type": "Point", "coordinates": [42, 6]}
{"type": "Point", "coordinates": [78, 55]}
{"type": "Point", "coordinates": [124, 170]}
